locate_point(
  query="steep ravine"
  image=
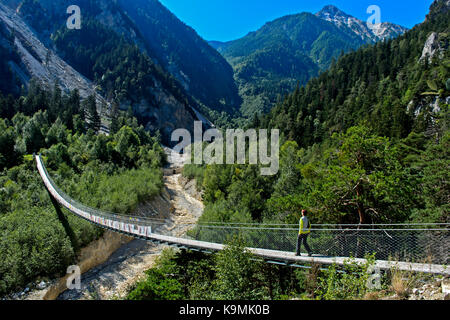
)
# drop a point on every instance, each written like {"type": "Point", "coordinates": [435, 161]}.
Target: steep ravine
{"type": "Point", "coordinates": [128, 258]}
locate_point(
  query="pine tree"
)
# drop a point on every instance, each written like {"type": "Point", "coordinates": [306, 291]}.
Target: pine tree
{"type": "Point", "coordinates": [72, 108]}
{"type": "Point", "coordinates": [55, 103]}
{"type": "Point", "coordinates": [114, 127]}
{"type": "Point", "coordinates": [93, 119]}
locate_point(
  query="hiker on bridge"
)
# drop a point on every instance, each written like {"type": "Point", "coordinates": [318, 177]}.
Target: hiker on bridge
{"type": "Point", "coordinates": [303, 233]}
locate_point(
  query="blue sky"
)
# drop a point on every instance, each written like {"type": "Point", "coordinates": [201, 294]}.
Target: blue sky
{"type": "Point", "coordinates": [225, 20]}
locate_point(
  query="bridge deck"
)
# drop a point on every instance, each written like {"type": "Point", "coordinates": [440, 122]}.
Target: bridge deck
{"type": "Point", "coordinates": [289, 258]}
{"type": "Point", "coordinates": [144, 232]}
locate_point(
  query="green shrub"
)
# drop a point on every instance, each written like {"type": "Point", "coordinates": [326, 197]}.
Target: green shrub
{"type": "Point", "coordinates": [349, 284]}
{"type": "Point", "coordinates": [157, 286]}
{"type": "Point", "coordinates": [33, 243]}
{"type": "Point", "coordinates": [237, 274]}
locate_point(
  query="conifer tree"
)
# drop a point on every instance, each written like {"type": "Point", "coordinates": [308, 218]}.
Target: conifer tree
{"type": "Point", "coordinates": [93, 119]}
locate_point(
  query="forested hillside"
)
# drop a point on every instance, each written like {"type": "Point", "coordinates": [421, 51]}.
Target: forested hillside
{"type": "Point", "coordinates": [391, 86]}
{"type": "Point", "coordinates": [201, 70]}
{"type": "Point", "coordinates": [365, 142]}
{"type": "Point", "coordinates": [271, 61]}
{"type": "Point", "coordinates": [177, 56]}
{"type": "Point", "coordinates": [117, 65]}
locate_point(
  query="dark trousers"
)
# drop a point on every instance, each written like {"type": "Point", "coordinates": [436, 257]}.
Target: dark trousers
{"type": "Point", "coordinates": [302, 238]}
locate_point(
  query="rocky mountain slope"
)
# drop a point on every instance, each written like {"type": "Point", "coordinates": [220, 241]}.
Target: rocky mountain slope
{"type": "Point", "coordinates": [201, 72]}
{"type": "Point", "coordinates": [160, 103]}
{"type": "Point", "coordinates": [33, 59]}
{"type": "Point", "coordinates": [344, 21]}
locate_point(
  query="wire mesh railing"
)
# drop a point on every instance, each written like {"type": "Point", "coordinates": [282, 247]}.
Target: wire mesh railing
{"type": "Point", "coordinates": [96, 212]}
{"type": "Point", "coordinates": [426, 242]}
{"type": "Point", "coordinates": [418, 243]}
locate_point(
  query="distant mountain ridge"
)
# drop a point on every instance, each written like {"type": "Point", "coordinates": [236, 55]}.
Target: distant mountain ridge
{"type": "Point", "coordinates": [290, 50]}
{"type": "Point", "coordinates": [394, 87]}
{"type": "Point", "coordinates": [382, 31]}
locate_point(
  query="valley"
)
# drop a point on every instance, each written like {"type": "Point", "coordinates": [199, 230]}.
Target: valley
{"type": "Point", "coordinates": [289, 51]}
{"type": "Point", "coordinates": [362, 113]}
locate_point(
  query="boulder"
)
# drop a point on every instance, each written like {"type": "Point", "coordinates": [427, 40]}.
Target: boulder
{"type": "Point", "coordinates": [42, 285]}
{"type": "Point", "coordinates": [445, 286]}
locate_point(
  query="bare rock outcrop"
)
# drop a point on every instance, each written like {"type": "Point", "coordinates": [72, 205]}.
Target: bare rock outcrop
{"type": "Point", "coordinates": [435, 45]}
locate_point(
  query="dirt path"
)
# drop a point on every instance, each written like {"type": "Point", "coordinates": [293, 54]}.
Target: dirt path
{"type": "Point", "coordinates": [113, 278]}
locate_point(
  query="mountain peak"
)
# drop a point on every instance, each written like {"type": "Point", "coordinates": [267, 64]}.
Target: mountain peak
{"type": "Point", "coordinates": [331, 11]}
{"type": "Point", "coordinates": [367, 33]}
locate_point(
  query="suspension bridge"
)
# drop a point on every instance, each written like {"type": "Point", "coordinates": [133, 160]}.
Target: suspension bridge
{"type": "Point", "coordinates": [407, 247]}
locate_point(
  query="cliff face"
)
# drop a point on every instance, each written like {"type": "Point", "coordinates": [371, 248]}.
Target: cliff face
{"type": "Point", "coordinates": [38, 61]}
{"type": "Point", "coordinates": [200, 72]}
{"type": "Point", "coordinates": [436, 45]}
{"type": "Point", "coordinates": [13, 72]}
{"type": "Point", "coordinates": [32, 26]}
